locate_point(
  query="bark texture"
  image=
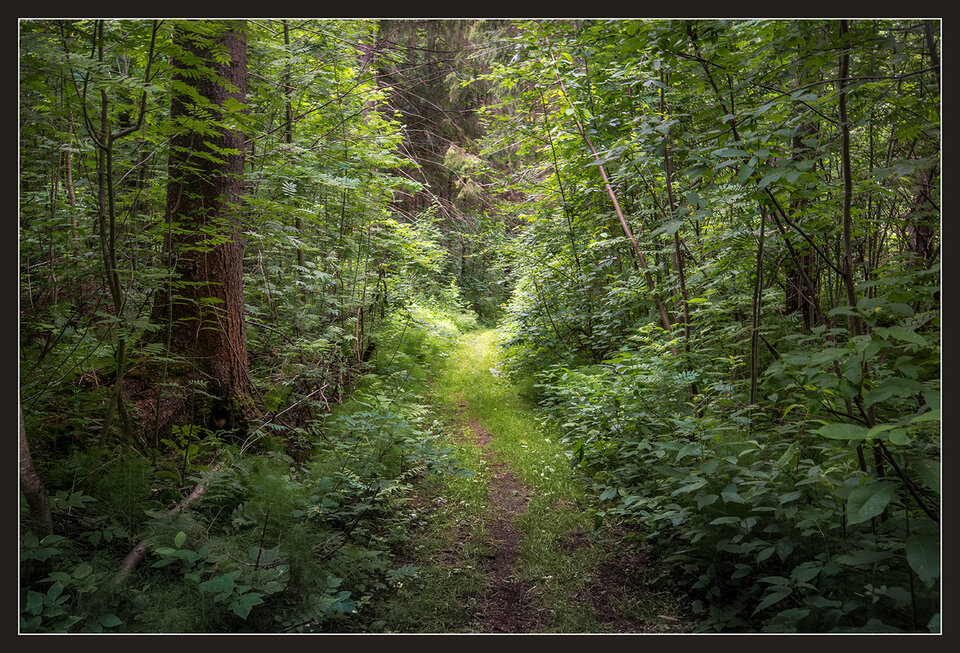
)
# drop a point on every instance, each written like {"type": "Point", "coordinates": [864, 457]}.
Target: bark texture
{"type": "Point", "coordinates": [204, 309]}
{"type": "Point", "coordinates": [32, 487]}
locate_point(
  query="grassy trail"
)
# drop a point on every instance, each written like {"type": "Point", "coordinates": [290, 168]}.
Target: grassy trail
{"type": "Point", "coordinates": [513, 547]}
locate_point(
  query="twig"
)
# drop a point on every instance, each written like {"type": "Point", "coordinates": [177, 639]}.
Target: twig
{"type": "Point", "coordinates": [263, 534]}
{"type": "Point", "coordinates": [280, 333]}
{"type": "Point", "coordinates": [133, 558]}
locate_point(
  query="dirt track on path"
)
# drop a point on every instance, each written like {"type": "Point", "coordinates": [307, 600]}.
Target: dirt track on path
{"type": "Point", "coordinates": [615, 591]}
{"type": "Point", "coordinates": [507, 605]}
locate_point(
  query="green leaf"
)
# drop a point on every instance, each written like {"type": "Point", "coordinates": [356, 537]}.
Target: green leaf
{"type": "Point", "coordinates": [769, 178]}
{"type": "Point", "coordinates": [929, 472]}
{"type": "Point", "coordinates": [730, 493]}
{"type": "Point", "coordinates": [878, 429]}
{"type": "Point", "coordinates": [41, 553]}
{"type": "Point", "coordinates": [806, 572]}
{"type": "Point", "coordinates": [785, 621]}
{"type": "Point", "coordinates": [784, 548]}
{"type": "Point", "coordinates": [868, 501]}
{"type": "Point", "coordinates": [899, 436]}
{"type": "Point", "coordinates": [669, 228]}
{"type": "Point", "coordinates": [894, 386]}
{"type": "Point", "coordinates": [696, 484]}
{"type": "Point", "coordinates": [694, 172]}
{"type": "Point", "coordinates": [180, 538]}
{"type": "Point", "coordinates": [729, 152]}
{"type": "Point", "coordinates": [848, 390]}
{"type": "Point", "coordinates": [929, 416]}
{"type": "Point", "coordinates": [34, 602]}
{"type": "Point", "coordinates": [863, 557]}
{"type": "Point", "coordinates": [923, 554]}
{"type": "Point", "coordinates": [242, 606]}
{"type": "Point", "coordinates": [55, 590]}
{"type": "Point", "coordinates": [902, 309]}
{"type": "Point", "coordinates": [790, 496]}
{"type": "Point", "coordinates": [82, 571]}
{"type": "Point", "coordinates": [742, 570]}
{"type": "Point", "coordinates": [842, 310]}
{"type": "Point", "coordinates": [221, 583]}
{"type": "Point", "coordinates": [789, 457]}
{"type": "Point", "coordinates": [765, 553]}
{"type": "Point", "coordinates": [854, 372]}
{"type": "Point", "coordinates": [822, 602]}
{"type": "Point", "coordinates": [901, 333]}
{"type": "Point", "coordinates": [843, 431]}
{"type": "Point", "coordinates": [773, 596]}
{"type": "Point", "coordinates": [109, 620]}
{"type": "Point", "coordinates": [705, 500]}
{"type": "Point", "coordinates": [60, 576]}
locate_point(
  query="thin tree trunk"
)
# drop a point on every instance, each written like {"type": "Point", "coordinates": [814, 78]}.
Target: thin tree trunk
{"type": "Point", "coordinates": [664, 317]}
{"type": "Point", "coordinates": [676, 237]}
{"type": "Point", "coordinates": [32, 487]}
{"type": "Point", "coordinates": [757, 302]}
{"type": "Point", "coordinates": [288, 134]}
{"type": "Point", "coordinates": [563, 196]}
{"type": "Point", "coordinates": [853, 322]}
{"type": "Point", "coordinates": [811, 295]}
{"type": "Point", "coordinates": [51, 250]}
{"type": "Point", "coordinates": [932, 46]}
{"type": "Point", "coordinates": [108, 251]}
{"type": "Point", "coordinates": [104, 141]}
{"type": "Point", "coordinates": [71, 189]}
{"type": "Point", "coordinates": [676, 234]}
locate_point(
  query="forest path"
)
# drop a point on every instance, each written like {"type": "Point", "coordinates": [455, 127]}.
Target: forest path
{"type": "Point", "coordinates": [525, 523]}
{"type": "Point", "coordinates": [506, 603]}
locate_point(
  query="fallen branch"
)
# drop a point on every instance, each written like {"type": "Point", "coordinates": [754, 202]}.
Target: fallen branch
{"type": "Point", "coordinates": [138, 552]}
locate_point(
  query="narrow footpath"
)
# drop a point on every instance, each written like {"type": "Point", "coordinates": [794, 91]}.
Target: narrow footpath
{"type": "Point", "coordinates": [512, 547]}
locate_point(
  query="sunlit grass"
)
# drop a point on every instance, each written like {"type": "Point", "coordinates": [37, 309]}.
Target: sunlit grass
{"type": "Point", "coordinates": [559, 506]}
{"type": "Point", "coordinates": [561, 551]}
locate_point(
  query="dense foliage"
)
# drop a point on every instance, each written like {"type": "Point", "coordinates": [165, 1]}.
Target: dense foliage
{"type": "Point", "coordinates": [774, 431]}
{"type": "Point", "coordinates": [712, 248]}
{"type": "Point", "coordinates": [301, 511]}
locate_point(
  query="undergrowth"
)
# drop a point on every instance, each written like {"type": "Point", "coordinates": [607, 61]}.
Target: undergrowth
{"type": "Point", "coordinates": [298, 527]}
{"type": "Point", "coordinates": [767, 517]}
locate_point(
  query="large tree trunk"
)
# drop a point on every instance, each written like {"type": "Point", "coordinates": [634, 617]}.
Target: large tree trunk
{"type": "Point", "coordinates": [205, 310]}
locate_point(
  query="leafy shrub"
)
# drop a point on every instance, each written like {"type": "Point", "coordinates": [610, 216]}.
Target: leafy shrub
{"type": "Point", "coordinates": [768, 516]}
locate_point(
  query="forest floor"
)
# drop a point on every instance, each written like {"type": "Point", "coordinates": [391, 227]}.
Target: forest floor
{"type": "Point", "coordinates": [513, 546]}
